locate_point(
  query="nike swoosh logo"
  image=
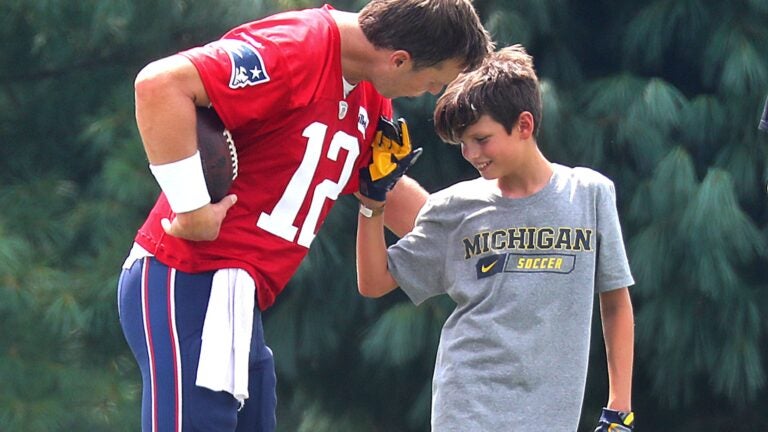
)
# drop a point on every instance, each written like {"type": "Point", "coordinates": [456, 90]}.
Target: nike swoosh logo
{"type": "Point", "coordinates": [487, 268]}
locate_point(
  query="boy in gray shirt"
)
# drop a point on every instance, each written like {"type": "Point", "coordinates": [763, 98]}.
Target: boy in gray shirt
{"type": "Point", "coordinates": [522, 250]}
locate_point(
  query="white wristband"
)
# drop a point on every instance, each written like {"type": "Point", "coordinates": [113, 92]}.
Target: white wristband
{"type": "Point", "coordinates": [371, 212]}
{"type": "Point", "coordinates": [183, 183]}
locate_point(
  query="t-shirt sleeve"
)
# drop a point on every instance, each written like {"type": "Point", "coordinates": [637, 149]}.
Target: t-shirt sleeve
{"type": "Point", "coordinates": [613, 270]}
{"type": "Point", "coordinates": [417, 261]}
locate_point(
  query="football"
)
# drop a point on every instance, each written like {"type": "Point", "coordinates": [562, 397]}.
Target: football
{"type": "Point", "coordinates": [217, 152]}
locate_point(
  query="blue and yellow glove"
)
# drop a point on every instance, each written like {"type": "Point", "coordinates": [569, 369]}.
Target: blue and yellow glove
{"type": "Point", "coordinates": [392, 157]}
{"type": "Point", "coordinates": [615, 421]}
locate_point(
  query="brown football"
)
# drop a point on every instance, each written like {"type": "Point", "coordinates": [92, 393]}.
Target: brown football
{"type": "Point", "coordinates": [218, 153]}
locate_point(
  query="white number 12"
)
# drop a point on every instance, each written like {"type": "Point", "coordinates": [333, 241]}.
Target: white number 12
{"type": "Point", "coordinates": [281, 221]}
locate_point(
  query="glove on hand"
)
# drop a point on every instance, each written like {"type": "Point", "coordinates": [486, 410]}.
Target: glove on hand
{"type": "Point", "coordinates": [392, 157]}
{"type": "Point", "coordinates": [615, 421]}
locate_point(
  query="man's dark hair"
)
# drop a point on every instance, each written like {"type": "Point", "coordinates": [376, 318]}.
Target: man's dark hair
{"type": "Point", "coordinates": [432, 31]}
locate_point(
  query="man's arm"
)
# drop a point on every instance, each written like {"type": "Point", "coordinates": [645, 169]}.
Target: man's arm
{"type": "Point", "coordinates": [619, 335]}
{"type": "Point", "coordinates": [166, 93]}
{"type": "Point", "coordinates": [403, 205]}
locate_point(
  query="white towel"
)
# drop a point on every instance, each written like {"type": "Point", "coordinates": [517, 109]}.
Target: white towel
{"type": "Point", "coordinates": [137, 252]}
{"type": "Point", "coordinates": [226, 339]}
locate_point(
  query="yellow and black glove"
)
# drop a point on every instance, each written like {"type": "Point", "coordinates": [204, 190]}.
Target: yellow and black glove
{"type": "Point", "coordinates": [615, 421]}
{"type": "Point", "coordinates": [392, 157]}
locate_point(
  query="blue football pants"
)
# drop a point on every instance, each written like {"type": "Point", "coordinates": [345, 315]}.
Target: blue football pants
{"type": "Point", "coordinates": [162, 311]}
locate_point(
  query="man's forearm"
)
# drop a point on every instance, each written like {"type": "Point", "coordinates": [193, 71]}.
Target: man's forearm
{"type": "Point", "coordinates": [403, 205]}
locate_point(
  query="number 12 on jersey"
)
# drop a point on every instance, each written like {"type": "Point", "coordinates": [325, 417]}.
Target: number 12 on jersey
{"type": "Point", "coordinates": [282, 221]}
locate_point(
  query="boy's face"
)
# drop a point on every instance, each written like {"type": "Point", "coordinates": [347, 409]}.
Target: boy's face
{"type": "Point", "coordinates": [401, 80]}
{"type": "Point", "coordinates": [490, 149]}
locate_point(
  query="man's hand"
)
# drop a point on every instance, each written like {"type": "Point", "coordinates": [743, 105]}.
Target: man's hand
{"type": "Point", "coordinates": [615, 421]}
{"type": "Point", "coordinates": [202, 224]}
{"type": "Point", "coordinates": [392, 157]}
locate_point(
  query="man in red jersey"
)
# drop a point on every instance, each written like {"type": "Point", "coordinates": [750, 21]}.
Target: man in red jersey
{"type": "Point", "coordinates": [302, 93]}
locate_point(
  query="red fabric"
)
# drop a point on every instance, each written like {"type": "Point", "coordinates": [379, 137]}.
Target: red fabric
{"type": "Point", "coordinates": [294, 150]}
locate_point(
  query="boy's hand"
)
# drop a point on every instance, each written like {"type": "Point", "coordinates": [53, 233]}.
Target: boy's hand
{"type": "Point", "coordinates": [615, 421]}
{"type": "Point", "coordinates": [392, 157]}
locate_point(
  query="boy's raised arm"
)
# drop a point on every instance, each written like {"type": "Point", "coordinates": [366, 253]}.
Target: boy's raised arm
{"type": "Point", "coordinates": [392, 157]}
{"type": "Point", "coordinates": [373, 277]}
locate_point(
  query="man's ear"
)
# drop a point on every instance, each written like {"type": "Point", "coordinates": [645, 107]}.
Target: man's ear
{"type": "Point", "coordinates": [525, 125]}
{"type": "Point", "coordinates": [399, 57]}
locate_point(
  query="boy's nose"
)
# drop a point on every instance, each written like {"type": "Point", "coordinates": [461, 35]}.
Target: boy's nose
{"type": "Point", "coordinates": [467, 151]}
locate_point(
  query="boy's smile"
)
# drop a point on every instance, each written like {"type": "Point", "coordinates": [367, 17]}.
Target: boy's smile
{"type": "Point", "coordinates": [511, 158]}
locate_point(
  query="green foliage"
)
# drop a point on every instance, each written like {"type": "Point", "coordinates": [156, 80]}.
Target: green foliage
{"type": "Point", "coordinates": [711, 318]}
{"type": "Point", "coordinates": [399, 335]}
{"type": "Point", "coordinates": [662, 96]}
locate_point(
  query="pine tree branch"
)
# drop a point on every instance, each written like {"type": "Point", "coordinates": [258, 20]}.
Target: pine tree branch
{"type": "Point", "coordinates": [84, 65]}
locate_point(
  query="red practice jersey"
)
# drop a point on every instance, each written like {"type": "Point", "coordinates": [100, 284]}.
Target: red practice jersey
{"type": "Point", "coordinates": [277, 86]}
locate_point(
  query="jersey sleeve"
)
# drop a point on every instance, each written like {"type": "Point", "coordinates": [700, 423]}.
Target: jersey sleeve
{"type": "Point", "coordinates": [613, 270]}
{"type": "Point", "coordinates": [422, 248]}
{"type": "Point", "coordinates": [244, 80]}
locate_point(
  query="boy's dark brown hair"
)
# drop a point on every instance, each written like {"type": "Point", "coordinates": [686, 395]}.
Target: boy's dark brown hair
{"type": "Point", "coordinates": [432, 31]}
{"type": "Point", "coordinates": [503, 87]}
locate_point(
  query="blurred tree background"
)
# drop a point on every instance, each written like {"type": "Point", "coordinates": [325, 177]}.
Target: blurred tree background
{"type": "Point", "coordinates": [662, 96]}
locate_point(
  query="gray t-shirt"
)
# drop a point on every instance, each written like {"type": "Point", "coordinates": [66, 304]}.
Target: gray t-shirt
{"type": "Point", "coordinates": [523, 272]}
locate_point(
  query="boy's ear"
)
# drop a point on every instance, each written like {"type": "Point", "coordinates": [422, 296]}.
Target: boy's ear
{"type": "Point", "coordinates": [525, 124]}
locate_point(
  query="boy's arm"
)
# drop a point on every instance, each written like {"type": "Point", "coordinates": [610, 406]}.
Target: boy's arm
{"type": "Point", "coordinates": [619, 335]}
{"type": "Point", "coordinates": [383, 180]}
{"type": "Point", "coordinates": [373, 277]}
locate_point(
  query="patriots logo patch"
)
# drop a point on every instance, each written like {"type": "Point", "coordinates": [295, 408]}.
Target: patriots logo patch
{"type": "Point", "coordinates": [247, 65]}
